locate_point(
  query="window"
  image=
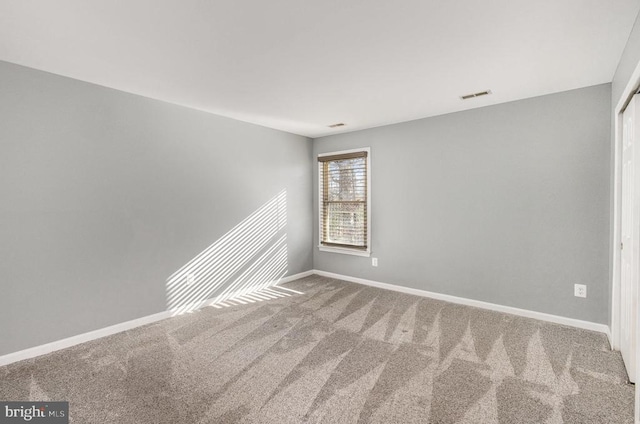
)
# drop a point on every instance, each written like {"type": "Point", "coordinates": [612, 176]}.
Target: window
{"type": "Point", "coordinates": [344, 183]}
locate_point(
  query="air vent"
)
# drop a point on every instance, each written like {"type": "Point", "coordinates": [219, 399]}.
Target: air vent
{"type": "Point", "coordinates": [340, 124]}
{"type": "Point", "coordinates": [478, 94]}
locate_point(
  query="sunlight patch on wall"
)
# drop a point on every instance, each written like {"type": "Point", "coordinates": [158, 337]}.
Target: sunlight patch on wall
{"type": "Point", "coordinates": [242, 264]}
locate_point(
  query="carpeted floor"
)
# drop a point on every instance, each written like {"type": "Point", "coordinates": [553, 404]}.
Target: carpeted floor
{"type": "Point", "coordinates": [336, 352]}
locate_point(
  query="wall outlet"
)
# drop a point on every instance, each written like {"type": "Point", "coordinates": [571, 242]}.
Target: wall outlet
{"type": "Point", "coordinates": [374, 261]}
{"type": "Point", "coordinates": [190, 279]}
{"type": "Point", "coordinates": [580, 290]}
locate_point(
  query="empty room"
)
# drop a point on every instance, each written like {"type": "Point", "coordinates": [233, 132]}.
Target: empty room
{"type": "Point", "coordinates": [319, 211]}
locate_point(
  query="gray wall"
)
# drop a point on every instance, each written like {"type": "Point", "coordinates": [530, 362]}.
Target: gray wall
{"type": "Point", "coordinates": [105, 194]}
{"type": "Point", "coordinates": [507, 204]}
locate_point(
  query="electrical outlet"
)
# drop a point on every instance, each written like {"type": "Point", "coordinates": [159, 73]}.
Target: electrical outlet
{"type": "Point", "coordinates": [580, 290]}
{"type": "Point", "coordinates": [190, 279]}
{"type": "Point", "coordinates": [374, 261]}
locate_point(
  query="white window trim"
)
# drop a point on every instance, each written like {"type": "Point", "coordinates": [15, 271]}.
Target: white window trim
{"type": "Point", "coordinates": [346, 250]}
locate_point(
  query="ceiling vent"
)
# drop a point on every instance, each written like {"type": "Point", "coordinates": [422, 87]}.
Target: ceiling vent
{"type": "Point", "coordinates": [339, 124]}
{"type": "Point", "coordinates": [478, 94]}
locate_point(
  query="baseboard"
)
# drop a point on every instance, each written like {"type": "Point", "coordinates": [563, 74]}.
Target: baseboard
{"type": "Point", "coordinates": [81, 338]}
{"type": "Point", "coordinates": [108, 331]}
{"type": "Point", "coordinates": [586, 325]}
{"type": "Point", "coordinates": [194, 306]}
{"type": "Point", "coordinates": [296, 276]}
{"type": "Point", "coordinates": [128, 325]}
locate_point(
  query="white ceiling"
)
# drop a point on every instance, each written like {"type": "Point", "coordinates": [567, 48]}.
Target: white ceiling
{"type": "Point", "coordinates": [300, 65]}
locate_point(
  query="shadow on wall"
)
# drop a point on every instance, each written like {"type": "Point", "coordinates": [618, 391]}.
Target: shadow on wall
{"type": "Point", "coordinates": [240, 266]}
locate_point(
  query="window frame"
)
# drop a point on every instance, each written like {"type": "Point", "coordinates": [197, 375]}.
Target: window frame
{"type": "Point", "coordinates": [344, 250]}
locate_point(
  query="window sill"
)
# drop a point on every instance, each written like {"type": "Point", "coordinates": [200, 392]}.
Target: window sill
{"type": "Point", "coordinates": [345, 251]}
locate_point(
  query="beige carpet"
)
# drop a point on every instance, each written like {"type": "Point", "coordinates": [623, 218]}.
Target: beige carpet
{"type": "Point", "coordinates": [335, 352]}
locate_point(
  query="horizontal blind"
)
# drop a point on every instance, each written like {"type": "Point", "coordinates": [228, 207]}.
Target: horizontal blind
{"type": "Point", "coordinates": [344, 200]}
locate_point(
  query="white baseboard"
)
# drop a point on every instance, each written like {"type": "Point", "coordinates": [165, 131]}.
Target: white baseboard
{"type": "Point", "coordinates": [296, 276]}
{"type": "Point", "coordinates": [81, 338]}
{"type": "Point", "coordinates": [194, 306]}
{"type": "Point", "coordinates": [107, 331]}
{"type": "Point", "coordinates": [117, 328]}
{"type": "Point", "coordinates": [587, 325]}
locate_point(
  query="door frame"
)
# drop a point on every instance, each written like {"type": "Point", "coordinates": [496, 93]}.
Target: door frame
{"type": "Point", "coordinates": [630, 89]}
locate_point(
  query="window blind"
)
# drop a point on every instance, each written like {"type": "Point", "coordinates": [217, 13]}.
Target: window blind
{"type": "Point", "coordinates": [344, 200]}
